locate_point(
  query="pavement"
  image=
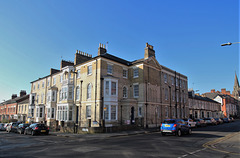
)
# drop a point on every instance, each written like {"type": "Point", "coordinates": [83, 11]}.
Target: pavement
{"type": "Point", "coordinates": [106, 135]}
{"type": "Point", "coordinates": [229, 144]}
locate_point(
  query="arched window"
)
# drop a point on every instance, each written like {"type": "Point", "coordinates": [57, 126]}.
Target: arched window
{"type": "Point", "coordinates": [124, 92]}
{"type": "Point", "coordinates": [77, 93]}
{"type": "Point", "coordinates": [89, 87]}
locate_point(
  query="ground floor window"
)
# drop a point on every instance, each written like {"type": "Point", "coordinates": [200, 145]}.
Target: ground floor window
{"type": "Point", "coordinates": [50, 113]}
{"type": "Point", "coordinates": [110, 112]}
{"type": "Point", "coordinates": [39, 111]}
{"type": "Point", "coordinates": [88, 111]}
{"type": "Point", "coordinates": [64, 113]}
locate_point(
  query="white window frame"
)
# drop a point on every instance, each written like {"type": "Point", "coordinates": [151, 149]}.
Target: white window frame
{"type": "Point", "coordinates": [110, 69]}
{"type": "Point", "coordinates": [125, 75]}
{"type": "Point", "coordinates": [108, 112]}
{"type": "Point", "coordinates": [135, 72]}
{"type": "Point", "coordinates": [134, 94]}
{"type": "Point", "coordinates": [89, 70]}
{"type": "Point", "coordinates": [126, 92]}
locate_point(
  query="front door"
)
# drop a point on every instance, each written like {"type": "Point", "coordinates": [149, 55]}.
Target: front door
{"type": "Point", "coordinates": [132, 115]}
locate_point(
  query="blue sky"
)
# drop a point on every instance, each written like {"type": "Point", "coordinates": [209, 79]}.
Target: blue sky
{"type": "Point", "coordinates": [186, 36]}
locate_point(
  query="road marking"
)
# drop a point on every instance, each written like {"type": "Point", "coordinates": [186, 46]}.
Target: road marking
{"type": "Point", "coordinates": [210, 144]}
{"type": "Point", "coordinates": [192, 153]}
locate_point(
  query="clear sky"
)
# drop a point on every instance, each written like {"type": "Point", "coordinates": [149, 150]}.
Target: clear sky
{"type": "Point", "coordinates": [186, 35]}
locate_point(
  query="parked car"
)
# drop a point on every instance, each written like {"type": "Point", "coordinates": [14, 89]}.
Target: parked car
{"type": "Point", "coordinates": [226, 120]}
{"type": "Point", "coordinates": [12, 127]}
{"type": "Point", "coordinates": [21, 127]}
{"type": "Point", "coordinates": [200, 122]}
{"type": "Point", "coordinates": [190, 122]}
{"type": "Point", "coordinates": [175, 126]}
{"type": "Point", "coordinates": [219, 121]}
{"type": "Point", "coordinates": [36, 128]}
{"type": "Point", "coordinates": [5, 126]}
{"type": "Point", "coordinates": [210, 121]}
{"type": "Point", "coordinates": [2, 127]}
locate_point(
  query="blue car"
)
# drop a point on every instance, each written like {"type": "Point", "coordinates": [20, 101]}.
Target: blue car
{"type": "Point", "coordinates": [175, 126]}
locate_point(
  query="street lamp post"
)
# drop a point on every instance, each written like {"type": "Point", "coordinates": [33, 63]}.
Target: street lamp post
{"type": "Point", "coordinates": [229, 43]}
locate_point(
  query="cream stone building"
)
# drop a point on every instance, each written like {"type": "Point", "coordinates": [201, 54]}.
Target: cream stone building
{"type": "Point", "coordinates": [107, 91]}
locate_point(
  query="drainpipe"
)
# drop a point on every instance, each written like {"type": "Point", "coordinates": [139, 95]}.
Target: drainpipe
{"type": "Point", "coordinates": [80, 106]}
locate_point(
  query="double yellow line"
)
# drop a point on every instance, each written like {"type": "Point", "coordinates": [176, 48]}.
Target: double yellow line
{"type": "Point", "coordinates": [211, 144]}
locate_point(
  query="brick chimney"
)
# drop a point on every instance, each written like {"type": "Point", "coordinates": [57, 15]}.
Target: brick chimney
{"type": "Point", "coordinates": [223, 90]}
{"type": "Point", "coordinates": [101, 49]}
{"type": "Point", "coordinates": [149, 52]}
{"type": "Point", "coordinates": [14, 96]}
{"type": "Point", "coordinates": [22, 93]}
{"type": "Point", "coordinates": [212, 90]}
{"type": "Point", "coordinates": [228, 93]}
{"type": "Point", "coordinates": [81, 57]}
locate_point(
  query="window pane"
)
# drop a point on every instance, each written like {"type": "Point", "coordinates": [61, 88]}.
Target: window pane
{"type": "Point", "coordinates": [136, 90]}
{"type": "Point", "coordinates": [107, 88]}
{"type": "Point", "coordinates": [89, 91]}
{"type": "Point", "coordinates": [124, 92]}
{"type": "Point", "coordinates": [113, 88]}
{"type": "Point", "coordinates": [89, 69]}
{"type": "Point", "coordinates": [106, 112]}
{"type": "Point", "coordinates": [88, 111]}
{"type": "Point", "coordinates": [113, 112]}
{"type": "Point", "coordinates": [135, 72]}
{"type": "Point", "coordinates": [109, 69]}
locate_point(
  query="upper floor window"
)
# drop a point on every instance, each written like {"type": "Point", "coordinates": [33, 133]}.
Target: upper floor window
{"type": "Point", "coordinates": [136, 90]}
{"type": "Point", "coordinates": [172, 80]}
{"type": "Point", "coordinates": [166, 94]}
{"type": "Point", "coordinates": [78, 73]}
{"type": "Point", "coordinates": [165, 78]}
{"type": "Point", "coordinates": [124, 92]}
{"type": "Point", "coordinates": [48, 83]}
{"type": "Point", "coordinates": [109, 69]}
{"type": "Point", "coordinates": [42, 84]}
{"type": "Point", "coordinates": [89, 89]}
{"type": "Point", "coordinates": [54, 80]}
{"type": "Point", "coordinates": [135, 72]}
{"type": "Point", "coordinates": [107, 87]}
{"type": "Point", "coordinates": [114, 88]}
{"type": "Point", "coordinates": [125, 73]}
{"type": "Point", "coordinates": [77, 93]}
{"type": "Point", "coordinates": [38, 85]}
{"type": "Point", "coordinates": [89, 70]}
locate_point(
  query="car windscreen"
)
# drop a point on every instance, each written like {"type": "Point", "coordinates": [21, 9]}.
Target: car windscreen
{"type": "Point", "coordinates": [169, 121]}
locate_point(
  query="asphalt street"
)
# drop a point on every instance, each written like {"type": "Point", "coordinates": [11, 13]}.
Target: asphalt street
{"type": "Point", "coordinates": [213, 141]}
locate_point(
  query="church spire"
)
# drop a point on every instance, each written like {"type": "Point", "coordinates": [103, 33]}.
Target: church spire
{"type": "Point", "coordinates": [236, 84]}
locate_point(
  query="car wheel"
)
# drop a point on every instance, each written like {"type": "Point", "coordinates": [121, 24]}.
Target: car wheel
{"type": "Point", "coordinates": [25, 132]}
{"type": "Point", "coordinates": [179, 133]}
{"type": "Point", "coordinates": [189, 131]}
{"type": "Point", "coordinates": [32, 133]}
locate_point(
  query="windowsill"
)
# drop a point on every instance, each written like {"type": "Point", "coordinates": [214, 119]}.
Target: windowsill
{"type": "Point", "coordinates": [135, 76]}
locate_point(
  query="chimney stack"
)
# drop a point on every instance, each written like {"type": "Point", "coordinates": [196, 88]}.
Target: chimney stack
{"type": "Point", "coordinates": [101, 49]}
{"type": "Point", "coordinates": [149, 51]}
{"type": "Point", "coordinates": [223, 90]}
{"type": "Point", "coordinates": [212, 90]}
{"type": "Point", "coordinates": [14, 96]}
{"type": "Point", "coordinates": [22, 93]}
